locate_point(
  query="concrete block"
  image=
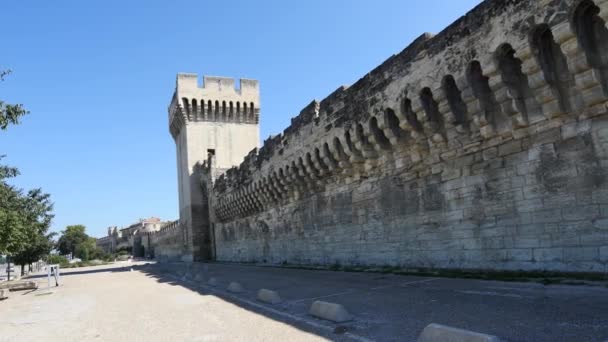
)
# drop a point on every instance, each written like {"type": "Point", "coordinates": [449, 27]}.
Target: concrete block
{"type": "Point", "coordinates": [20, 286]}
{"type": "Point", "coordinates": [442, 333]}
{"type": "Point", "coordinates": [212, 282]}
{"type": "Point", "coordinates": [330, 311]}
{"type": "Point", "coordinates": [235, 287]}
{"type": "Point", "coordinates": [269, 296]}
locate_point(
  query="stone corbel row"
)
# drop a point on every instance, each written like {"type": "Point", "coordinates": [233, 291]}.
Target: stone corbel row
{"type": "Point", "coordinates": [177, 120]}
{"type": "Point", "coordinates": [479, 104]}
{"type": "Point", "coordinates": [201, 112]}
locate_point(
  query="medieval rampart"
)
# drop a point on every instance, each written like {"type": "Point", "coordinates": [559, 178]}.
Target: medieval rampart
{"type": "Point", "coordinates": [484, 146]}
{"type": "Point", "coordinates": [169, 243]}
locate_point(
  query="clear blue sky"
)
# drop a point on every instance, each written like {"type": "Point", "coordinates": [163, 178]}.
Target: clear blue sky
{"type": "Point", "coordinates": [97, 77]}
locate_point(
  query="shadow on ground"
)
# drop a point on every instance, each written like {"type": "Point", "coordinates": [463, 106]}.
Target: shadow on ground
{"type": "Point", "coordinates": [389, 307]}
{"type": "Point", "coordinates": [184, 274]}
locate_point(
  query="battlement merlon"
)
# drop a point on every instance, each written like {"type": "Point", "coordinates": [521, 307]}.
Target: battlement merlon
{"type": "Point", "coordinates": [217, 88]}
{"type": "Point", "coordinates": [217, 100]}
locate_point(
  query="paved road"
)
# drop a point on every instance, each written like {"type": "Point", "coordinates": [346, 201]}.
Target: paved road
{"type": "Point", "coordinates": [157, 303]}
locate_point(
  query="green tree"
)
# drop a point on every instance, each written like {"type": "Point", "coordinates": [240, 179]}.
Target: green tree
{"type": "Point", "coordinates": [9, 113]}
{"type": "Point", "coordinates": [71, 238]}
{"type": "Point", "coordinates": [38, 247]}
{"type": "Point", "coordinates": [24, 217]}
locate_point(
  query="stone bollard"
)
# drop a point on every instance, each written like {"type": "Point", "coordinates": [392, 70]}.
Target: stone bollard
{"type": "Point", "coordinates": [2, 296]}
{"type": "Point", "coordinates": [269, 296]}
{"type": "Point", "coordinates": [235, 287]}
{"type": "Point", "coordinates": [330, 311]}
{"type": "Point", "coordinates": [212, 282]}
{"type": "Point", "coordinates": [437, 332]}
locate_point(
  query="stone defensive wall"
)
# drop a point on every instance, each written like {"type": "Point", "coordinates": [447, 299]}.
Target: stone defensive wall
{"type": "Point", "coordinates": [483, 147]}
{"type": "Point", "coordinates": [169, 243]}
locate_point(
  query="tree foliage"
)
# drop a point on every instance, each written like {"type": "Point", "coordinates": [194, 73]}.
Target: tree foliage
{"type": "Point", "coordinates": [75, 240]}
{"type": "Point", "coordinates": [9, 113]}
{"type": "Point", "coordinates": [38, 246]}
{"type": "Point", "coordinates": [25, 217]}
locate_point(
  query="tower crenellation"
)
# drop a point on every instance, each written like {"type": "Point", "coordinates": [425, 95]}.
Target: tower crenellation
{"type": "Point", "coordinates": [217, 100]}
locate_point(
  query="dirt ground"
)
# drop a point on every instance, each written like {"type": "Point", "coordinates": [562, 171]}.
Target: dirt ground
{"type": "Point", "coordinates": [120, 305]}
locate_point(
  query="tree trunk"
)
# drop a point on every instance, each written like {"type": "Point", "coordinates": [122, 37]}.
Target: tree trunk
{"type": "Point", "coordinates": [8, 269]}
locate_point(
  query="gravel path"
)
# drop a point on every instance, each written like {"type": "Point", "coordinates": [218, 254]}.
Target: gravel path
{"type": "Point", "coordinates": [111, 303]}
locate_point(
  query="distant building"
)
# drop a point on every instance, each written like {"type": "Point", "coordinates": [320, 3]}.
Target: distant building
{"type": "Point", "coordinates": [130, 237]}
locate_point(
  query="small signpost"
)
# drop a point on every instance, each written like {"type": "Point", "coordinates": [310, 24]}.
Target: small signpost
{"type": "Point", "coordinates": [52, 271]}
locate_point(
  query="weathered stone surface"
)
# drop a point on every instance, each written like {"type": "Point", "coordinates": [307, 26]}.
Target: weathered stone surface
{"type": "Point", "coordinates": [234, 287]}
{"type": "Point", "coordinates": [329, 311]}
{"type": "Point", "coordinates": [483, 146]}
{"type": "Point", "coordinates": [441, 333]}
{"type": "Point", "coordinates": [269, 296]}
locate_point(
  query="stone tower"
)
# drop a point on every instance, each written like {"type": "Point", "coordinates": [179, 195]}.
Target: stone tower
{"type": "Point", "coordinates": [218, 122]}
